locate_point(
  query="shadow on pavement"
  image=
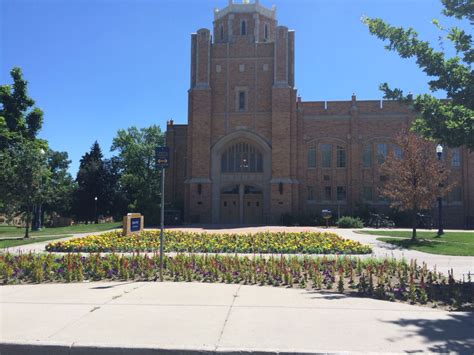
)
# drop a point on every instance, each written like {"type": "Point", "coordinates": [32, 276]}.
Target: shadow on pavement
{"type": "Point", "coordinates": [452, 335]}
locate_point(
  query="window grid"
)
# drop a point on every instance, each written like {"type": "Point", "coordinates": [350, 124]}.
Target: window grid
{"type": "Point", "coordinates": [456, 158]}
{"type": "Point", "coordinates": [326, 154]}
{"type": "Point", "coordinates": [341, 156]}
{"type": "Point", "coordinates": [381, 152]}
{"type": "Point", "coordinates": [242, 157]}
{"type": "Point", "coordinates": [367, 155]}
{"type": "Point", "coordinates": [341, 193]}
{"type": "Point", "coordinates": [327, 193]}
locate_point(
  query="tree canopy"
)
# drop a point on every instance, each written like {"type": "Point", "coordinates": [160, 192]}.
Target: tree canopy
{"type": "Point", "coordinates": [140, 175]}
{"type": "Point", "coordinates": [448, 121]}
{"type": "Point", "coordinates": [416, 178]}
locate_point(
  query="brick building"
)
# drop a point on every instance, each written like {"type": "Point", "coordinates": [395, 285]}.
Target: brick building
{"type": "Point", "coordinates": [253, 151]}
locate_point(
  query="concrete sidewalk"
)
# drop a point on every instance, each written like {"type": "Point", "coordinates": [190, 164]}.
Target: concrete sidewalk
{"type": "Point", "coordinates": [150, 317]}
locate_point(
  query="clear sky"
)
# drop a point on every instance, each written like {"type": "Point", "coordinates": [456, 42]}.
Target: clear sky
{"type": "Point", "coordinates": [95, 66]}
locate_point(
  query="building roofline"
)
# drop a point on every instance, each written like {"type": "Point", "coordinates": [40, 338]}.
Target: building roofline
{"type": "Point", "coordinates": [245, 7]}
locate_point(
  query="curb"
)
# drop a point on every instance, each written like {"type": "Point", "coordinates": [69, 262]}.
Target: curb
{"type": "Point", "coordinates": [49, 349]}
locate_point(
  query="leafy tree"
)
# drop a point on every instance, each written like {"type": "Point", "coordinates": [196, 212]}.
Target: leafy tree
{"type": "Point", "coordinates": [447, 121]}
{"type": "Point", "coordinates": [19, 118]}
{"type": "Point", "coordinates": [61, 184]}
{"type": "Point", "coordinates": [24, 178]}
{"type": "Point", "coordinates": [416, 178]}
{"type": "Point", "coordinates": [90, 185]}
{"type": "Point", "coordinates": [23, 172]}
{"type": "Point", "coordinates": [141, 177]}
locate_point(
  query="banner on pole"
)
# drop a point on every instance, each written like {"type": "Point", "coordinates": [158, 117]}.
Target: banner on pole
{"type": "Point", "coordinates": [162, 156]}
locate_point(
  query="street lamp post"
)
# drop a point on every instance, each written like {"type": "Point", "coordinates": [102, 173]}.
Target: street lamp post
{"type": "Point", "coordinates": [439, 152]}
{"type": "Point", "coordinates": [96, 221]}
{"type": "Point", "coordinates": [37, 222]}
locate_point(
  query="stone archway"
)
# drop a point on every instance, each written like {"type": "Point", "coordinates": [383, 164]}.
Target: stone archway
{"type": "Point", "coordinates": [250, 185]}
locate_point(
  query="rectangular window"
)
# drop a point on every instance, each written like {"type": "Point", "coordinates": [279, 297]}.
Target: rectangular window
{"type": "Point", "coordinates": [455, 195]}
{"type": "Point", "coordinates": [327, 193]}
{"type": "Point", "coordinates": [381, 152]}
{"type": "Point", "coordinates": [341, 193]}
{"type": "Point", "coordinates": [241, 100]}
{"type": "Point", "coordinates": [367, 193]}
{"type": "Point", "coordinates": [367, 155]}
{"type": "Point", "coordinates": [311, 193]}
{"type": "Point", "coordinates": [456, 158]}
{"type": "Point", "coordinates": [326, 153]}
{"type": "Point", "coordinates": [311, 157]}
{"type": "Point", "coordinates": [341, 156]}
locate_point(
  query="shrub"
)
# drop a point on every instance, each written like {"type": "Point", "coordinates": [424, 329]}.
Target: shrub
{"type": "Point", "coordinates": [349, 222]}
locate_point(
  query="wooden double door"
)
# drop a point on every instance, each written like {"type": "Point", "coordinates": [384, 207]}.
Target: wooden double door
{"type": "Point", "coordinates": [242, 207]}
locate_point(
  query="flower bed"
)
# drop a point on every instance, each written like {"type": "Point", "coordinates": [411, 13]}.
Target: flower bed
{"type": "Point", "coordinates": [387, 279]}
{"type": "Point", "coordinates": [177, 241]}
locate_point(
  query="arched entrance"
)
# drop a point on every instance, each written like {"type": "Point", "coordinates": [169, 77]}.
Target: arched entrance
{"type": "Point", "coordinates": [241, 172]}
{"type": "Point", "coordinates": [241, 204]}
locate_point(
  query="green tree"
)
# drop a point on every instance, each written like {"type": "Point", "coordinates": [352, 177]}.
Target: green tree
{"type": "Point", "coordinates": [19, 118]}
{"type": "Point", "coordinates": [90, 186]}
{"type": "Point", "coordinates": [61, 184]}
{"type": "Point", "coordinates": [23, 172]}
{"type": "Point", "coordinates": [24, 178]}
{"type": "Point", "coordinates": [446, 121]}
{"type": "Point", "coordinates": [140, 177]}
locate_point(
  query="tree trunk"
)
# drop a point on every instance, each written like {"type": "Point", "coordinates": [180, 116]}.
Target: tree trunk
{"type": "Point", "coordinates": [28, 219]}
{"type": "Point", "coordinates": [414, 224]}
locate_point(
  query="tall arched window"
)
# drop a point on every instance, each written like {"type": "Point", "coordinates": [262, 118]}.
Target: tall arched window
{"type": "Point", "coordinates": [221, 29]}
{"type": "Point", "coordinates": [241, 157]}
{"type": "Point", "coordinates": [266, 31]}
{"type": "Point", "coordinates": [243, 28]}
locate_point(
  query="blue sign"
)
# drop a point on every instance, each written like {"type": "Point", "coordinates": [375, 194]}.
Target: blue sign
{"type": "Point", "coordinates": [135, 224]}
{"type": "Point", "coordinates": [162, 156]}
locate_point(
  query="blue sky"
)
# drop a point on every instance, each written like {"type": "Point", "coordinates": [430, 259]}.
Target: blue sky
{"type": "Point", "coordinates": [95, 66]}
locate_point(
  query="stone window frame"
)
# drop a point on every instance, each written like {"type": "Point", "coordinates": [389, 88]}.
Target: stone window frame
{"type": "Point", "coordinates": [238, 90]}
{"type": "Point", "coordinates": [266, 31]}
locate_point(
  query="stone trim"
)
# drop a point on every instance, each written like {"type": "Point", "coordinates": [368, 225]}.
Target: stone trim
{"type": "Point", "coordinates": [198, 181]}
{"type": "Point", "coordinates": [326, 117]}
{"type": "Point", "coordinates": [383, 116]}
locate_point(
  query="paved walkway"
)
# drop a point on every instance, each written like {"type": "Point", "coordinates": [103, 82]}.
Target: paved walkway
{"type": "Point", "coordinates": [140, 316]}
{"type": "Point", "coordinates": [461, 265]}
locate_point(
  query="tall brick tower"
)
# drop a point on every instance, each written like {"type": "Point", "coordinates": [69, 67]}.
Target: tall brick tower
{"type": "Point", "coordinates": [241, 139]}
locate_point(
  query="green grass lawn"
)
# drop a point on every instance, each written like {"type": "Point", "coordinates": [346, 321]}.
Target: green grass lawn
{"type": "Point", "coordinates": [10, 231]}
{"type": "Point", "coordinates": [8, 243]}
{"type": "Point", "coordinates": [450, 243]}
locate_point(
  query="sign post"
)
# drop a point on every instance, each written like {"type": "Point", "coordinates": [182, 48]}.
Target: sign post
{"type": "Point", "coordinates": [162, 155]}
